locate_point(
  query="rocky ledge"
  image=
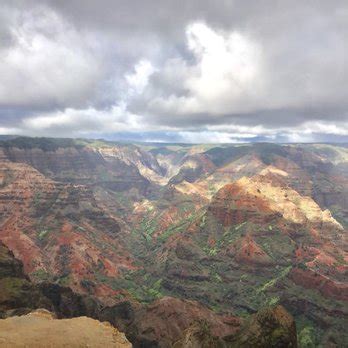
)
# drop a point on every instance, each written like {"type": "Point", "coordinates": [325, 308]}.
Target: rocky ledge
{"type": "Point", "coordinates": [40, 329]}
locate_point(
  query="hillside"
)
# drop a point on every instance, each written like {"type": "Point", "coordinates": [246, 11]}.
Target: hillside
{"type": "Point", "coordinates": [23, 322]}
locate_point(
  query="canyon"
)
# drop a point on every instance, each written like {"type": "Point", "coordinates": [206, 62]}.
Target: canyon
{"type": "Point", "coordinates": [178, 244]}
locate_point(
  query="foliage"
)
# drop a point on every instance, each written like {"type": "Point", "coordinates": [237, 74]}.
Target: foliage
{"type": "Point", "coordinates": [42, 234]}
{"type": "Point", "coordinates": [306, 337]}
{"type": "Point", "coordinates": [283, 273]}
{"type": "Point", "coordinates": [41, 275]}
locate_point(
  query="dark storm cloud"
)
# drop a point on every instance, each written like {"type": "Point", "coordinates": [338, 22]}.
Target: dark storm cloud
{"type": "Point", "coordinates": [175, 69]}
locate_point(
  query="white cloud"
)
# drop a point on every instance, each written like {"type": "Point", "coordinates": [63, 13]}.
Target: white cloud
{"type": "Point", "coordinates": [228, 64]}
{"type": "Point", "coordinates": [80, 122]}
{"type": "Point", "coordinates": [10, 131]}
{"type": "Point", "coordinates": [340, 128]}
{"type": "Point", "coordinates": [225, 76]}
{"type": "Point", "coordinates": [138, 80]}
{"type": "Point", "coordinates": [209, 137]}
{"type": "Point", "coordinates": [241, 65]}
{"type": "Point", "coordinates": [47, 62]}
{"type": "Point", "coordinates": [237, 74]}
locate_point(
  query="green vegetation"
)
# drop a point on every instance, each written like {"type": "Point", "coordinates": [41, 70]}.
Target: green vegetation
{"type": "Point", "coordinates": [230, 235]}
{"type": "Point", "coordinates": [276, 244]}
{"type": "Point", "coordinates": [147, 228]}
{"type": "Point", "coordinates": [283, 273]}
{"type": "Point", "coordinates": [339, 214]}
{"type": "Point", "coordinates": [181, 226]}
{"type": "Point", "coordinates": [238, 227]}
{"type": "Point", "coordinates": [42, 234]}
{"type": "Point", "coordinates": [217, 277]}
{"type": "Point", "coordinates": [273, 301]}
{"type": "Point", "coordinates": [211, 251]}
{"type": "Point", "coordinates": [141, 285]}
{"type": "Point", "coordinates": [41, 275]}
{"type": "Point", "coordinates": [36, 198]}
{"type": "Point", "coordinates": [12, 287]}
{"type": "Point", "coordinates": [64, 280]}
{"type": "Point", "coordinates": [306, 337]}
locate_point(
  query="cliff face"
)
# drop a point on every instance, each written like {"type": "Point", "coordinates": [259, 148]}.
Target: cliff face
{"type": "Point", "coordinates": [268, 195]}
{"type": "Point", "coordinates": [173, 316]}
{"type": "Point", "coordinates": [82, 165]}
{"type": "Point", "coordinates": [52, 228]}
{"type": "Point", "coordinates": [271, 327]}
{"type": "Point", "coordinates": [19, 295]}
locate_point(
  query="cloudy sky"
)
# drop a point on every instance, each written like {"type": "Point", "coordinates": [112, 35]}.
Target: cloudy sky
{"type": "Point", "coordinates": [183, 70]}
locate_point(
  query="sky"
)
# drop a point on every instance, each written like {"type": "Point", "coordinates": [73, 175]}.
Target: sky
{"type": "Point", "coordinates": [197, 71]}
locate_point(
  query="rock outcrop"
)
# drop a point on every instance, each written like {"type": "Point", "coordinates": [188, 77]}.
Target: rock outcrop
{"type": "Point", "coordinates": [40, 329]}
{"type": "Point", "coordinates": [19, 295]}
{"type": "Point", "coordinates": [172, 316]}
{"type": "Point", "coordinates": [271, 327]}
